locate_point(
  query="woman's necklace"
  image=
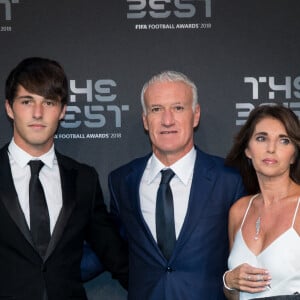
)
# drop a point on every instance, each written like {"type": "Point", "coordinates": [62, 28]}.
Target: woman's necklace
{"type": "Point", "coordinates": [257, 228]}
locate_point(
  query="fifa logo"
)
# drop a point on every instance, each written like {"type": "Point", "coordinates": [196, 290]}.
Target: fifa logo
{"type": "Point", "coordinates": [6, 8]}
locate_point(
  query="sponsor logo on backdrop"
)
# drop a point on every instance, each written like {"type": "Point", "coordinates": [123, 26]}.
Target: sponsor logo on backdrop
{"type": "Point", "coordinates": [169, 14]}
{"type": "Point", "coordinates": [92, 112]}
{"type": "Point", "coordinates": [6, 14]}
{"type": "Point", "coordinates": [269, 90]}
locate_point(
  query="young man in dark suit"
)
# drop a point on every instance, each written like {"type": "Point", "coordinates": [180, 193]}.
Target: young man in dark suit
{"type": "Point", "coordinates": [46, 216]}
{"type": "Point", "coordinates": [187, 259]}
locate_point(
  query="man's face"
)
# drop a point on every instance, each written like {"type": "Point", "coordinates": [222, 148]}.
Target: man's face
{"type": "Point", "coordinates": [35, 120]}
{"type": "Point", "coordinates": [170, 119]}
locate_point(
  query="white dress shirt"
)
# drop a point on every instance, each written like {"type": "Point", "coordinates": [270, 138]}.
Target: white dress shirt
{"type": "Point", "coordinates": [49, 177]}
{"type": "Point", "coordinates": [180, 186]}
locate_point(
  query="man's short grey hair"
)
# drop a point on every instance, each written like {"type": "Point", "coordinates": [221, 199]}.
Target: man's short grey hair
{"type": "Point", "coordinates": [170, 76]}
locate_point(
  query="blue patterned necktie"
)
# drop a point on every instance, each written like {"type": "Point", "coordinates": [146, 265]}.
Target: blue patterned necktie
{"type": "Point", "coordinates": [39, 215]}
{"type": "Point", "coordinates": [165, 226]}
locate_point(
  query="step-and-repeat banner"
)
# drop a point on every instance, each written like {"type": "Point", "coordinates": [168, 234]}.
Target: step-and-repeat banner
{"type": "Point", "coordinates": [239, 53]}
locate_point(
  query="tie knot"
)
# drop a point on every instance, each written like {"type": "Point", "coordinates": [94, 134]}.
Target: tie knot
{"type": "Point", "coordinates": [166, 176]}
{"type": "Point", "coordinates": [35, 166]}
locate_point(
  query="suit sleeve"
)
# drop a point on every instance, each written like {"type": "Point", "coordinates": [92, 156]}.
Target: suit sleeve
{"type": "Point", "coordinates": [105, 239]}
{"type": "Point", "coordinates": [240, 190]}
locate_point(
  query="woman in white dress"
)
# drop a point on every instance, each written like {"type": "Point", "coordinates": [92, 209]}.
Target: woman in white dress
{"type": "Point", "coordinates": [264, 227]}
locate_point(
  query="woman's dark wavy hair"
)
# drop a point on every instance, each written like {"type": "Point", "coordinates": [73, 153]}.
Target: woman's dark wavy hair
{"type": "Point", "coordinates": [237, 157]}
{"type": "Point", "coordinates": [40, 76]}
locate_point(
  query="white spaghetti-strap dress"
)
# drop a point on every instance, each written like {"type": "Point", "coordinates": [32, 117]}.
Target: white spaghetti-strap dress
{"type": "Point", "coordinates": [281, 258]}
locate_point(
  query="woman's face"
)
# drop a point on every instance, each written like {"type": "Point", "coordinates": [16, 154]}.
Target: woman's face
{"type": "Point", "coordinates": [270, 148]}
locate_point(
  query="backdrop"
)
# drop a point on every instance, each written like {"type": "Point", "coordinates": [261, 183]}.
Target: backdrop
{"type": "Point", "coordinates": [239, 53]}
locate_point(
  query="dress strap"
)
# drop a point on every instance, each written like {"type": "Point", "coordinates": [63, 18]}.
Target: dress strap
{"type": "Point", "coordinates": [250, 202]}
{"type": "Point", "coordinates": [295, 215]}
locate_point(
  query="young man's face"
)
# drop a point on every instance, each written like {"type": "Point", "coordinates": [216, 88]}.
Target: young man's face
{"type": "Point", "coordinates": [35, 120]}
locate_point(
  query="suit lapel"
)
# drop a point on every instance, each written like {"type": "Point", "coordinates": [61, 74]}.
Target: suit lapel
{"type": "Point", "coordinates": [203, 180]}
{"type": "Point", "coordinates": [68, 177]}
{"type": "Point", "coordinates": [202, 185]}
{"type": "Point", "coordinates": [133, 182]}
{"type": "Point", "coordinates": [9, 196]}
{"type": "Point", "coordinates": [133, 179]}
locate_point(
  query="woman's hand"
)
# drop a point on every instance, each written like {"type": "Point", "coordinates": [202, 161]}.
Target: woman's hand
{"type": "Point", "coordinates": [248, 279]}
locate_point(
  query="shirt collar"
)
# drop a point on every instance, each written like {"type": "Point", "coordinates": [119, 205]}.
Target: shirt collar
{"type": "Point", "coordinates": [22, 158]}
{"type": "Point", "coordinates": [183, 168]}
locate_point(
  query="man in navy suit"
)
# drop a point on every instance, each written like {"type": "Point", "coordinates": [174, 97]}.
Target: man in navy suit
{"type": "Point", "coordinates": [32, 268]}
{"type": "Point", "coordinates": [203, 190]}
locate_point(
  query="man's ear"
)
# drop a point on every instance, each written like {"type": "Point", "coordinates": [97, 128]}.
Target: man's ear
{"type": "Point", "coordinates": [197, 114]}
{"type": "Point", "coordinates": [145, 121]}
{"type": "Point", "coordinates": [8, 109]}
{"type": "Point", "coordinates": [63, 112]}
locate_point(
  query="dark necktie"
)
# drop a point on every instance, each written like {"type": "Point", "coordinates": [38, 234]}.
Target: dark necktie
{"type": "Point", "coordinates": [39, 215]}
{"type": "Point", "coordinates": [165, 227]}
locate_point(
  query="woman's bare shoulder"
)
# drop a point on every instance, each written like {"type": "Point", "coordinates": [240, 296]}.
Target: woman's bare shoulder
{"type": "Point", "coordinates": [239, 207]}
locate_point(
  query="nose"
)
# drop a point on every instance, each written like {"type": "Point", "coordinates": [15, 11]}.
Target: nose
{"type": "Point", "coordinates": [37, 110]}
{"type": "Point", "coordinates": [167, 118]}
{"type": "Point", "coordinates": [271, 147]}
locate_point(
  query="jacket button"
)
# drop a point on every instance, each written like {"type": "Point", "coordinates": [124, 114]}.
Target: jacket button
{"type": "Point", "coordinates": [169, 269]}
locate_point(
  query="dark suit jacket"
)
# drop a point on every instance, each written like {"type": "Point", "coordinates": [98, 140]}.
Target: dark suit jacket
{"type": "Point", "coordinates": [200, 256]}
{"type": "Point", "coordinates": [24, 275]}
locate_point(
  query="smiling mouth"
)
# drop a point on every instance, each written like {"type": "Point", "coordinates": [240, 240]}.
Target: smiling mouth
{"type": "Point", "coordinates": [168, 131]}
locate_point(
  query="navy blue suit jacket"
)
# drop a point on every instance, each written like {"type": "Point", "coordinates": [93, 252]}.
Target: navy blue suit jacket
{"type": "Point", "coordinates": [199, 260]}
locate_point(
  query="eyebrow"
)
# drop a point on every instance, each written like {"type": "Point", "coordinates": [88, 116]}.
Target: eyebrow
{"type": "Point", "coordinates": [24, 97]}
{"type": "Point", "coordinates": [172, 104]}
{"type": "Point", "coordinates": [260, 132]}
{"type": "Point", "coordinates": [28, 97]}
{"type": "Point", "coordinates": [265, 133]}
